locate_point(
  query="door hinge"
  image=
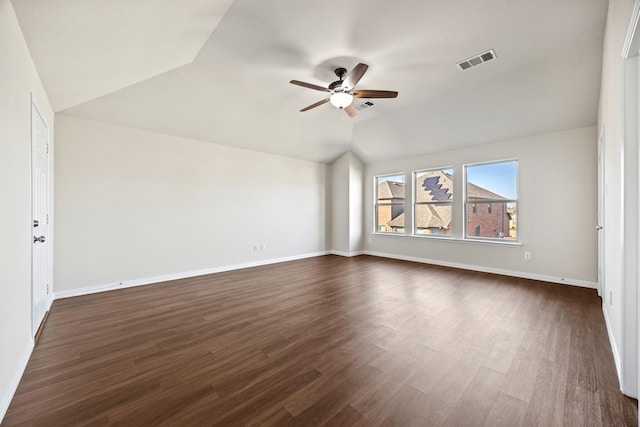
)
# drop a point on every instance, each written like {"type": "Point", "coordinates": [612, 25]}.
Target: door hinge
{"type": "Point", "coordinates": [47, 148]}
{"type": "Point", "coordinates": [47, 289]}
{"type": "Point", "coordinates": [47, 219]}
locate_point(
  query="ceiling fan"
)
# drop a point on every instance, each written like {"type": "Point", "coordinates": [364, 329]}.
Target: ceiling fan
{"type": "Point", "coordinates": [342, 90]}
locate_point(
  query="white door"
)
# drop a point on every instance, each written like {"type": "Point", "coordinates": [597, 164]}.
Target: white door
{"type": "Point", "coordinates": [600, 225]}
{"type": "Point", "coordinates": [40, 259]}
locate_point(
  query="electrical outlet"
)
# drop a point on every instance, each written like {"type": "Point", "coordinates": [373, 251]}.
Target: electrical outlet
{"type": "Point", "coordinates": [255, 248]}
{"type": "Point", "coordinates": [264, 246]}
{"type": "Point", "coordinates": [527, 256]}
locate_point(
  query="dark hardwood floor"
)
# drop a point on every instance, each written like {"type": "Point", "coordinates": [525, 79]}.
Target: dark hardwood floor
{"type": "Point", "coordinates": [327, 341]}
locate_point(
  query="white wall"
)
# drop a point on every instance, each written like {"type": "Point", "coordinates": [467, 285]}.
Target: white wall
{"type": "Point", "coordinates": [556, 212]}
{"type": "Point", "coordinates": [340, 205]}
{"type": "Point", "coordinates": [346, 205]}
{"type": "Point", "coordinates": [18, 79]}
{"type": "Point", "coordinates": [610, 122]}
{"type": "Point", "coordinates": [356, 183]}
{"type": "Point", "coordinates": [133, 205]}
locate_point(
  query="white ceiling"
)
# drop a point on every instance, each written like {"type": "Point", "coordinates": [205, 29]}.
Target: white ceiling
{"type": "Point", "coordinates": [219, 70]}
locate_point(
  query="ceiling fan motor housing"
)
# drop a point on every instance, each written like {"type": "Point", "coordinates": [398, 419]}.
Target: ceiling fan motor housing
{"type": "Point", "coordinates": [335, 85]}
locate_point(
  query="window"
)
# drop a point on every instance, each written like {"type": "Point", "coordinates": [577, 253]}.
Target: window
{"type": "Point", "coordinates": [433, 196]}
{"type": "Point", "coordinates": [390, 196]}
{"type": "Point", "coordinates": [491, 200]}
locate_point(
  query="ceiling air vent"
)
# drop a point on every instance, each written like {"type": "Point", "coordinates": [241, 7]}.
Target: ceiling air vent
{"type": "Point", "coordinates": [364, 105]}
{"type": "Point", "coordinates": [477, 60]}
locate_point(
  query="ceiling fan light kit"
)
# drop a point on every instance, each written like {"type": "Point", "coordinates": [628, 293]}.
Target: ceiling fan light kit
{"type": "Point", "coordinates": [341, 99]}
{"type": "Point", "coordinates": [341, 90]}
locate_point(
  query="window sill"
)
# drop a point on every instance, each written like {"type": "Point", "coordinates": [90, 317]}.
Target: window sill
{"type": "Point", "coordinates": [452, 239]}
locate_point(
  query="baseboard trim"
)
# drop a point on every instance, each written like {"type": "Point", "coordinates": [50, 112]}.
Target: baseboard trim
{"type": "Point", "coordinates": [36, 338]}
{"type": "Point", "coordinates": [183, 275]}
{"type": "Point", "coordinates": [612, 341]}
{"type": "Point", "coordinates": [502, 272]}
{"type": "Point", "coordinates": [15, 381]}
{"type": "Point", "coordinates": [347, 254]}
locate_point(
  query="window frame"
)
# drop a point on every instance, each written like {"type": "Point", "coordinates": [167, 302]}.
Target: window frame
{"type": "Point", "coordinates": [376, 205]}
{"type": "Point", "coordinates": [415, 203]}
{"type": "Point", "coordinates": [466, 232]}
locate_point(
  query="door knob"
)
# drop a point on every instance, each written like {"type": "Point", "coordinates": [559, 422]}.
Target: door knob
{"type": "Point", "coordinates": [38, 239]}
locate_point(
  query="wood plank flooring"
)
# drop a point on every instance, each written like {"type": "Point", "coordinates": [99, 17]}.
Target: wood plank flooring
{"type": "Point", "coordinates": [330, 341]}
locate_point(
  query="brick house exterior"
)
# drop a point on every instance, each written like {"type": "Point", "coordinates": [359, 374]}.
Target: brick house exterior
{"type": "Point", "coordinates": [488, 220]}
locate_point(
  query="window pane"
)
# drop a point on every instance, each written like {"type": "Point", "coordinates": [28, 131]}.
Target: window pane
{"type": "Point", "coordinates": [492, 220]}
{"type": "Point", "coordinates": [433, 219]}
{"type": "Point", "coordinates": [390, 189]}
{"type": "Point", "coordinates": [390, 196]}
{"type": "Point", "coordinates": [492, 181]}
{"type": "Point", "coordinates": [434, 186]}
{"type": "Point", "coordinates": [491, 194]}
{"type": "Point", "coordinates": [390, 218]}
{"type": "Point", "coordinates": [433, 194]}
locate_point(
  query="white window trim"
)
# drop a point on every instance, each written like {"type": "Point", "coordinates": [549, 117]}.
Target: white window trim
{"type": "Point", "coordinates": [494, 242]}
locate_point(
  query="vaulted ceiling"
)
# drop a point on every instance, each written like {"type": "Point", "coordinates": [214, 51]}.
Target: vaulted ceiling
{"type": "Point", "coordinates": [219, 70]}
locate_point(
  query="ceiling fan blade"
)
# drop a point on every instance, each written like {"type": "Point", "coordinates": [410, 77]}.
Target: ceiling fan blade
{"type": "Point", "coordinates": [351, 110]}
{"type": "Point", "coordinates": [375, 94]}
{"type": "Point", "coordinates": [352, 79]}
{"type": "Point", "coordinates": [317, 104]}
{"type": "Point", "coordinates": [309, 86]}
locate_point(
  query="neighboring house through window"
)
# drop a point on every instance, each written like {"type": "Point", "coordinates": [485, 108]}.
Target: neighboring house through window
{"type": "Point", "coordinates": [390, 197]}
{"type": "Point", "coordinates": [491, 200]}
{"type": "Point", "coordinates": [433, 196]}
